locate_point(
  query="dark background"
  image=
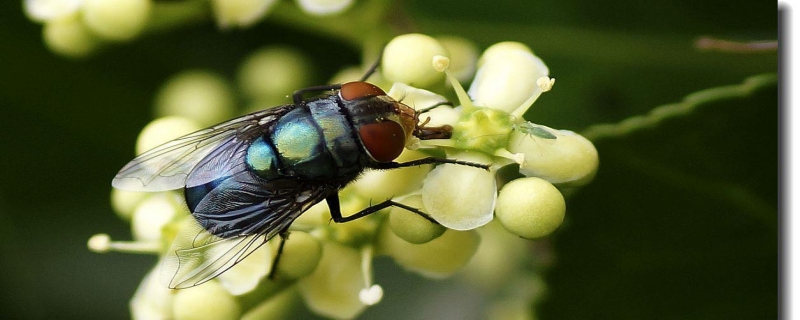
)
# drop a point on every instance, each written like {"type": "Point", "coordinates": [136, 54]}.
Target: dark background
{"type": "Point", "coordinates": [681, 222]}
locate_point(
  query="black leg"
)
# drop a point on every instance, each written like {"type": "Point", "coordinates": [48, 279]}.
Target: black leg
{"type": "Point", "coordinates": [298, 95]}
{"type": "Point", "coordinates": [374, 66]}
{"type": "Point", "coordinates": [284, 236]}
{"type": "Point", "coordinates": [336, 211]}
{"type": "Point", "coordinates": [430, 160]}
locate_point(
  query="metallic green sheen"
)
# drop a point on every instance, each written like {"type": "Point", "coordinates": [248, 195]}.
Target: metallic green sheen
{"type": "Point", "coordinates": [338, 136]}
{"type": "Point", "coordinates": [301, 147]}
{"type": "Point", "coordinates": [262, 158]}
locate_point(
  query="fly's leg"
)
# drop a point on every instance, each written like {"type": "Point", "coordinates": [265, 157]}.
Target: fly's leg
{"type": "Point", "coordinates": [284, 236]}
{"type": "Point", "coordinates": [336, 211]}
{"type": "Point", "coordinates": [429, 160]}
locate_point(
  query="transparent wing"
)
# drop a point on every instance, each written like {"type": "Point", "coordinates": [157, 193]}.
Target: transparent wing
{"type": "Point", "coordinates": [168, 166]}
{"type": "Point", "coordinates": [197, 256]}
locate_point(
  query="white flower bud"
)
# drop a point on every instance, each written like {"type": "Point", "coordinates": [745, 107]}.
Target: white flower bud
{"type": "Point", "coordinates": [407, 59]}
{"type": "Point", "coordinates": [248, 273]}
{"type": "Point", "coordinates": [198, 95]}
{"type": "Point", "coordinates": [152, 300]}
{"type": "Point", "coordinates": [438, 258]}
{"type": "Point", "coordinates": [274, 72]}
{"type": "Point", "coordinates": [43, 10]}
{"type": "Point", "coordinates": [460, 197]}
{"type": "Point", "coordinates": [410, 226]}
{"type": "Point", "coordinates": [324, 7]}
{"type": "Point", "coordinates": [240, 13]}
{"type": "Point", "coordinates": [162, 130]}
{"type": "Point", "coordinates": [463, 56]}
{"type": "Point", "coordinates": [206, 301]}
{"type": "Point", "coordinates": [152, 215]}
{"type": "Point", "coordinates": [386, 184]}
{"type": "Point", "coordinates": [116, 20]}
{"type": "Point", "coordinates": [530, 207]}
{"type": "Point", "coordinates": [69, 36]}
{"type": "Point", "coordinates": [567, 160]}
{"type": "Point", "coordinates": [507, 78]}
{"type": "Point", "coordinates": [301, 255]}
{"type": "Point", "coordinates": [333, 289]}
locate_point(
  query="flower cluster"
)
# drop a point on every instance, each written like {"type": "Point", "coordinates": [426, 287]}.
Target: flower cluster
{"type": "Point", "coordinates": [78, 28]}
{"type": "Point", "coordinates": [328, 265]}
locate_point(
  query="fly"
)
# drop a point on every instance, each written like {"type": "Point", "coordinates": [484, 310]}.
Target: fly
{"type": "Point", "coordinates": [247, 179]}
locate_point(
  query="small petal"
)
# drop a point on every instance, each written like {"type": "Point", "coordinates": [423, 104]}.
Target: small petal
{"type": "Point", "coordinates": [324, 7]}
{"type": "Point", "coordinates": [240, 13]}
{"type": "Point", "coordinates": [414, 97]}
{"type": "Point", "coordinates": [43, 10]}
{"type": "Point", "coordinates": [460, 197]}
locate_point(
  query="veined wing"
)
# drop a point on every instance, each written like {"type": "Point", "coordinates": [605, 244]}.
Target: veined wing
{"type": "Point", "coordinates": [167, 166]}
{"type": "Point", "coordinates": [243, 217]}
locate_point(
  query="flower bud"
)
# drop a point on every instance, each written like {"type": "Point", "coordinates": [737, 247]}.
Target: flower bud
{"type": "Point", "coordinates": [301, 255]}
{"type": "Point", "coordinates": [386, 184]}
{"type": "Point", "coordinates": [152, 300]}
{"type": "Point", "coordinates": [410, 226]}
{"type": "Point", "coordinates": [152, 214]}
{"type": "Point", "coordinates": [44, 10]}
{"type": "Point", "coordinates": [117, 20]}
{"type": "Point", "coordinates": [324, 7]}
{"type": "Point", "coordinates": [507, 77]}
{"type": "Point", "coordinates": [240, 13]}
{"type": "Point", "coordinates": [207, 301]}
{"type": "Point", "coordinates": [248, 273]}
{"type": "Point", "coordinates": [438, 258]}
{"type": "Point", "coordinates": [162, 130]}
{"type": "Point", "coordinates": [530, 207]}
{"type": "Point", "coordinates": [407, 59]}
{"type": "Point", "coordinates": [460, 197]}
{"type": "Point", "coordinates": [568, 159]}
{"type": "Point", "coordinates": [274, 72]}
{"type": "Point", "coordinates": [69, 36]}
{"type": "Point", "coordinates": [332, 289]}
{"type": "Point", "coordinates": [463, 56]}
{"type": "Point", "coordinates": [198, 95]}
{"type": "Point", "coordinates": [125, 202]}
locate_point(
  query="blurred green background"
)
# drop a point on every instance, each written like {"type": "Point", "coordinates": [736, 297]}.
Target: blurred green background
{"type": "Point", "coordinates": [681, 222]}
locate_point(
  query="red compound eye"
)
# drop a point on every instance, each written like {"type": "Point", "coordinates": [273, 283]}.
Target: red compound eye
{"type": "Point", "coordinates": [359, 89]}
{"type": "Point", "coordinates": [384, 140]}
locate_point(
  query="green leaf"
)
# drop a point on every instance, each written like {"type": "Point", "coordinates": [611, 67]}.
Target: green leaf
{"type": "Point", "coordinates": [681, 221]}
